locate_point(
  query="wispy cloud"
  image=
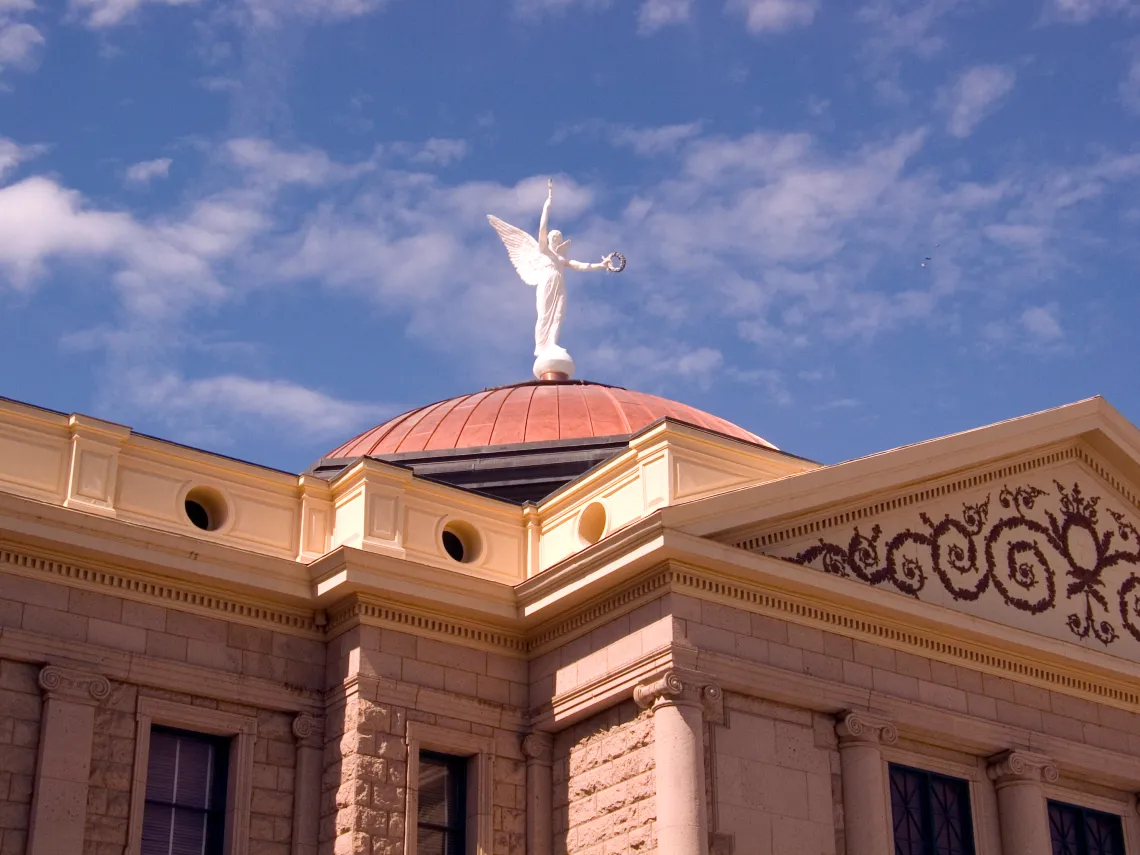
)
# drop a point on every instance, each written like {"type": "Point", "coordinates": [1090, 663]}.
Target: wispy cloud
{"type": "Point", "coordinates": [1083, 11]}
{"type": "Point", "coordinates": [904, 26]}
{"type": "Point", "coordinates": [646, 141]}
{"type": "Point", "coordinates": [148, 170]}
{"type": "Point", "coordinates": [1041, 323]}
{"type": "Point", "coordinates": [12, 154]}
{"type": "Point", "coordinates": [99, 14]}
{"type": "Point", "coordinates": [653, 15]}
{"type": "Point", "coordinates": [976, 94]}
{"type": "Point", "coordinates": [774, 16]}
{"type": "Point", "coordinates": [1129, 88]}
{"type": "Point", "coordinates": [213, 407]}
{"type": "Point", "coordinates": [20, 42]}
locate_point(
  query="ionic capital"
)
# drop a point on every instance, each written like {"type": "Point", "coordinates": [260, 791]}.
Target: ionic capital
{"type": "Point", "coordinates": [538, 747]}
{"type": "Point", "coordinates": [677, 688]}
{"type": "Point", "coordinates": [1014, 766]}
{"type": "Point", "coordinates": [308, 730]}
{"type": "Point", "coordinates": [860, 728]}
{"type": "Point", "coordinates": [76, 687]}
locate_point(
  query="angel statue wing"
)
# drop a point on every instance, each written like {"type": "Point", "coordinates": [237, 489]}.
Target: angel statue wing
{"type": "Point", "coordinates": [533, 267]}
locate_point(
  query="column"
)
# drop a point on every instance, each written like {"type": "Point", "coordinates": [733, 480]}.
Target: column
{"type": "Point", "coordinates": [679, 701]}
{"type": "Point", "coordinates": [59, 802]}
{"type": "Point", "coordinates": [309, 732]}
{"type": "Point", "coordinates": [1022, 813]}
{"type": "Point", "coordinates": [538, 748]}
{"type": "Point", "coordinates": [865, 810]}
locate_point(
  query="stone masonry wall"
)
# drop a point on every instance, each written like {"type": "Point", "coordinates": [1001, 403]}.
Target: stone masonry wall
{"type": "Point", "coordinates": [777, 783]}
{"type": "Point", "coordinates": [604, 784]}
{"type": "Point", "coordinates": [364, 788]}
{"type": "Point", "coordinates": [20, 711]}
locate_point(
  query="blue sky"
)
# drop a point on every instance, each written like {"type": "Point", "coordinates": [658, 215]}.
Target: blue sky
{"type": "Point", "coordinates": [257, 226]}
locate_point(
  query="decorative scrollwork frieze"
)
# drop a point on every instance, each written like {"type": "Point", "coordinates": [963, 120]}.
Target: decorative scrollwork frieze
{"type": "Point", "coordinates": [79, 687]}
{"type": "Point", "coordinates": [1015, 766]}
{"type": "Point", "coordinates": [675, 687]}
{"type": "Point", "coordinates": [538, 747]}
{"type": "Point", "coordinates": [308, 730]}
{"type": "Point", "coordinates": [860, 728]}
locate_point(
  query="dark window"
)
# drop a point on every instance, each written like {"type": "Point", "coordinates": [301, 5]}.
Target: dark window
{"type": "Point", "coordinates": [443, 796]}
{"type": "Point", "coordinates": [185, 793]}
{"type": "Point", "coordinates": [930, 813]}
{"type": "Point", "coordinates": [1080, 831]}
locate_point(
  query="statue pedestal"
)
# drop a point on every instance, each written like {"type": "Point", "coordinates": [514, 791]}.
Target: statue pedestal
{"type": "Point", "coordinates": [554, 361]}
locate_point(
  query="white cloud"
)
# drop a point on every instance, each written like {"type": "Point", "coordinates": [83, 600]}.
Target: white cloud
{"type": "Point", "coordinates": [12, 154]}
{"type": "Point", "coordinates": [274, 166]}
{"type": "Point", "coordinates": [19, 45]}
{"type": "Point", "coordinates": [214, 403]}
{"type": "Point", "coordinates": [655, 14]}
{"type": "Point", "coordinates": [1041, 323]}
{"type": "Point", "coordinates": [1129, 88]}
{"type": "Point", "coordinates": [1082, 11]}
{"type": "Point", "coordinates": [904, 26]}
{"type": "Point", "coordinates": [99, 14]}
{"type": "Point", "coordinates": [431, 152]}
{"type": "Point", "coordinates": [147, 170]}
{"type": "Point", "coordinates": [762, 16]}
{"type": "Point", "coordinates": [645, 141]}
{"type": "Point", "coordinates": [274, 12]}
{"type": "Point", "coordinates": [975, 95]}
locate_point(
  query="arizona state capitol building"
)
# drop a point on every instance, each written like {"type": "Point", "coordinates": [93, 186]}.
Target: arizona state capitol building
{"type": "Point", "coordinates": [560, 617]}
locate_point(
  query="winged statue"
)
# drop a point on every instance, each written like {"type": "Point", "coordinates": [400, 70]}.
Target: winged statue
{"type": "Point", "coordinates": [540, 263]}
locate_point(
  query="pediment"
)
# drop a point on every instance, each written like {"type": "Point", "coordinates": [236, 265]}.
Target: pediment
{"type": "Point", "coordinates": [1047, 542]}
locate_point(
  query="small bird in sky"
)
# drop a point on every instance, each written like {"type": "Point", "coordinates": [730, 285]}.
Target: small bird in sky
{"type": "Point", "coordinates": [928, 258]}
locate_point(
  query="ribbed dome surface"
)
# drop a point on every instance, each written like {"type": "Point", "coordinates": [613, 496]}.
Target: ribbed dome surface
{"type": "Point", "coordinates": [529, 412]}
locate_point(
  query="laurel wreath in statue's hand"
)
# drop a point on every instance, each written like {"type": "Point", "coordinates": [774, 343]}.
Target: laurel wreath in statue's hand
{"type": "Point", "coordinates": [615, 262]}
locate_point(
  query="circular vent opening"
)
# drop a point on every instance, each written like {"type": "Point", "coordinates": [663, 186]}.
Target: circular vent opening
{"type": "Point", "coordinates": [461, 542]}
{"type": "Point", "coordinates": [592, 523]}
{"type": "Point", "coordinates": [205, 508]}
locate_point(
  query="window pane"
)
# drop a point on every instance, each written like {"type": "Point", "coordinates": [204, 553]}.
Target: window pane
{"type": "Point", "coordinates": [1104, 834]}
{"type": "Point", "coordinates": [195, 773]}
{"type": "Point", "coordinates": [156, 830]}
{"type": "Point", "coordinates": [432, 842]}
{"type": "Point", "coordinates": [436, 788]}
{"type": "Point", "coordinates": [930, 814]}
{"type": "Point", "coordinates": [906, 811]}
{"type": "Point", "coordinates": [1063, 829]}
{"type": "Point", "coordinates": [160, 767]}
{"type": "Point", "coordinates": [189, 832]}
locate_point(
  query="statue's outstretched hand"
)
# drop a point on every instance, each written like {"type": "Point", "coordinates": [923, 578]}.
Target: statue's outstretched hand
{"type": "Point", "coordinates": [549, 188]}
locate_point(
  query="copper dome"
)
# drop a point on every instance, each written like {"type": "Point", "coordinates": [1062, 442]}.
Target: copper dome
{"type": "Point", "coordinates": [536, 412]}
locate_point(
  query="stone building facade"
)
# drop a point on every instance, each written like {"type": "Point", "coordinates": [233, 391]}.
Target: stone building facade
{"type": "Point", "coordinates": [602, 623]}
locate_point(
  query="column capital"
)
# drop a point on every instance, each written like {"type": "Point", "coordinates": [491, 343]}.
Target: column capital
{"type": "Point", "coordinates": [861, 728]}
{"type": "Point", "coordinates": [309, 730]}
{"type": "Point", "coordinates": [1015, 766]}
{"type": "Point", "coordinates": [77, 687]}
{"type": "Point", "coordinates": [538, 747]}
{"type": "Point", "coordinates": [680, 688]}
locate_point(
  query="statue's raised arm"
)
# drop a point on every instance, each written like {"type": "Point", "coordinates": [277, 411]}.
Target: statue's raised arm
{"type": "Point", "coordinates": [539, 263]}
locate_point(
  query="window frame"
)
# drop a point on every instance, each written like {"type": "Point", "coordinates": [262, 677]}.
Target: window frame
{"type": "Point", "coordinates": [456, 765]}
{"type": "Point", "coordinates": [983, 796]}
{"type": "Point", "coordinates": [242, 733]}
{"type": "Point", "coordinates": [928, 776]}
{"type": "Point", "coordinates": [480, 754]}
{"type": "Point", "coordinates": [1126, 808]}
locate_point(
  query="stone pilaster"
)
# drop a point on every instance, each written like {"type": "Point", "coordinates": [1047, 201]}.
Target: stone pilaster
{"type": "Point", "coordinates": [865, 808]}
{"type": "Point", "coordinates": [538, 748]}
{"type": "Point", "coordinates": [309, 733]}
{"type": "Point", "coordinates": [679, 702]}
{"type": "Point", "coordinates": [1023, 817]}
{"type": "Point", "coordinates": [59, 802]}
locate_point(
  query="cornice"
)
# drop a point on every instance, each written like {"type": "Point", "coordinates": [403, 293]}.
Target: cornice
{"type": "Point", "coordinates": [362, 609]}
{"type": "Point", "coordinates": [727, 516]}
{"type": "Point", "coordinates": [770, 533]}
{"type": "Point", "coordinates": [180, 594]}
